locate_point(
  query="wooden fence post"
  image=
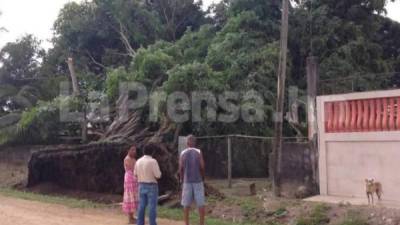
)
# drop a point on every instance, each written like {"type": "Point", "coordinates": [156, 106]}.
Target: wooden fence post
{"type": "Point", "coordinates": [229, 162]}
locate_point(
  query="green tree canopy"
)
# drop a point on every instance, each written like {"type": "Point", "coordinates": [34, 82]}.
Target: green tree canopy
{"type": "Point", "coordinates": [172, 45]}
{"type": "Point", "coordinates": [21, 59]}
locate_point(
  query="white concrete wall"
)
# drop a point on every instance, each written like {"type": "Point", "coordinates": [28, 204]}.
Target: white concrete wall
{"type": "Point", "coordinates": [347, 158]}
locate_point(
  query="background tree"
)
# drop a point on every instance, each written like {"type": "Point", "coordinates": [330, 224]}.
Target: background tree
{"type": "Point", "coordinates": [178, 15]}
{"type": "Point", "coordinates": [21, 59]}
{"type": "Point", "coordinates": [346, 36]}
{"type": "Point", "coordinates": [21, 85]}
{"type": "Point", "coordinates": [20, 62]}
{"type": "Point", "coordinates": [178, 47]}
{"type": "Point", "coordinates": [105, 33]}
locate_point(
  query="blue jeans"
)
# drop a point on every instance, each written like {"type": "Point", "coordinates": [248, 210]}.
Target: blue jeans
{"type": "Point", "coordinates": [148, 195]}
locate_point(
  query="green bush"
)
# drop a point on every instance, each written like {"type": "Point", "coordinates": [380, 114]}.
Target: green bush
{"type": "Point", "coordinates": [114, 77]}
{"type": "Point", "coordinates": [354, 218]}
{"type": "Point", "coordinates": [39, 124]}
{"type": "Point", "coordinates": [318, 216]}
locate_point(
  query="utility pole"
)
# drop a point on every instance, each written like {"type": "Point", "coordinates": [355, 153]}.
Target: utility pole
{"type": "Point", "coordinates": [312, 82]}
{"type": "Point", "coordinates": [276, 156]}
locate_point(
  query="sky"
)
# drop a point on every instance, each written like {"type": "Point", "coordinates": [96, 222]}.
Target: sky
{"type": "Point", "coordinates": [36, 17]}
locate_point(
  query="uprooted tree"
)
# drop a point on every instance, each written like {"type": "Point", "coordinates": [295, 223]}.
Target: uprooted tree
{"type": "Point", "coordinates": [236, 50]}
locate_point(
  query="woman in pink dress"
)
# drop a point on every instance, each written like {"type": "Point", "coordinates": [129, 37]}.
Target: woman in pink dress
{"type": "Point", "coordinates": [130, 200]}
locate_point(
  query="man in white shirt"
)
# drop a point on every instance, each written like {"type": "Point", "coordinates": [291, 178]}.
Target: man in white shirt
{"type": "Point", "coordinates": [148, 172]}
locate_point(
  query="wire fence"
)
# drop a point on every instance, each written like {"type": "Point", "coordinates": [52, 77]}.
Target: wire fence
{"type": "Point", "coordinates": [359, 82]}
{"type": "Point", "coordinates": [238, 156]}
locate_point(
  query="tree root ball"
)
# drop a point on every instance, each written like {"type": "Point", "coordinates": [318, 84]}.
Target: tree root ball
{"type": "Point", "coordinates": [93, 167]}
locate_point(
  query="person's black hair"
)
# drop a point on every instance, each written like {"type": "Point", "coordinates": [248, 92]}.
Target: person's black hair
{"type": "Point", "coordinates": [150, 149]}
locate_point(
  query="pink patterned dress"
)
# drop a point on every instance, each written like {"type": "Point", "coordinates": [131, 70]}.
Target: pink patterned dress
{"type": "Point", "coordinates": [130, 201]}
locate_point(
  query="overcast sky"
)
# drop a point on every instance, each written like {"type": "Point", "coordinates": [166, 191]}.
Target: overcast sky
{"type": "Point", "coordinates": [37, 17]}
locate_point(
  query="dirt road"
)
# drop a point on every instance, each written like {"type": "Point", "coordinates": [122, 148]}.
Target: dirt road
{"type": "Point", "coordinates": [22, 212]}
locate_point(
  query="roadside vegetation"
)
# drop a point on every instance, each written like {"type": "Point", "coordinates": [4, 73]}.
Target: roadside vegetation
{"type": "Point", "coordinates": [250, 208]}
{"type": "Point", "coordinates": [67, 201]}
{"type": "Point", "coordinates": [180, 47]}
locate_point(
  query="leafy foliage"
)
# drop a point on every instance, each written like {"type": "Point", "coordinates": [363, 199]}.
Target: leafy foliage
{"type": "Point", "coordinates": [40, 124]}
{"type": "Point", "coordinates": [21, 59]}
{"type": "Point", "coordinates": [347, 36]}
{"type": "Point", "coordinates": [195, 76]}
{"type": "Point", "coordinates": [172, 45]}
{"type": "Point", "coordinates": [105, 33]}
{"type": "Point", "coordinates": [239, 57]}
{"type": "Point", "coordinates": [177, 15]}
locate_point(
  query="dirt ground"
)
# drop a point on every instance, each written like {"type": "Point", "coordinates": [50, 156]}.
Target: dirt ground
{"type": "Point", "coordinates": [265, 209]}
{"type": "Point", "coordinates": [22, 212]}
{"type": "Point", "coordinates": [239, 206]}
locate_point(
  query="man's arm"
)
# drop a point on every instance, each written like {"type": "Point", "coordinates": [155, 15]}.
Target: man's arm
{"type": "Point", "coordinates": [181, 169]}
{"type": "Point", "coordinates": [156, 170]}
{"type": "Point", "coordinates": [202, 166]}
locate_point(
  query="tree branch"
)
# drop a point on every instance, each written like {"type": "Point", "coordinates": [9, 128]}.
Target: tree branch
{"type": "Point", "coordinates": [74, 80]}
{"type": "Point", "coordinates": [125, 40]}
{"type": "Point", "coordinates": [94, 60]}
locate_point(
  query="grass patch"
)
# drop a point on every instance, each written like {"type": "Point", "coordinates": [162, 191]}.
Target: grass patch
{"type": "Point", "coordinates": [248, 205]}
{"type": "Point", "coordinates": [354, 218]}
{"type": "Point", "coordinates": [318, 216]}
{"type": "Point", "coordinates": [281, 212]}
{"type": "Point", "coordinates": [69, 202]}
{"type": "Point", "coordinates": [163, 212]}
{"type": "Point", "coordinates": [177, 214]}
{"type": "Point", "coordinates": [354, 221]}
